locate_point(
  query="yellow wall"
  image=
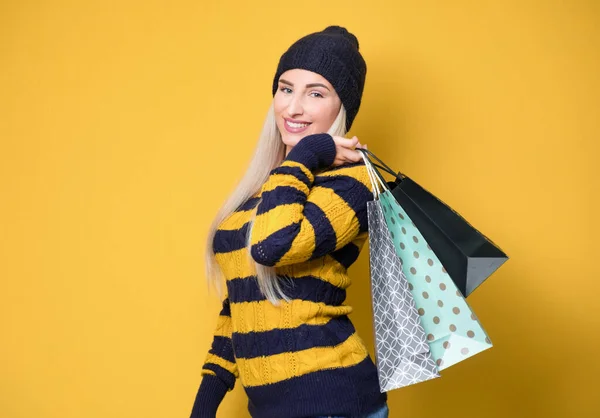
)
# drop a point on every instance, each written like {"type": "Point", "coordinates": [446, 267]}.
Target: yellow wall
{"type": "Point", "coordinates": [124, 125]}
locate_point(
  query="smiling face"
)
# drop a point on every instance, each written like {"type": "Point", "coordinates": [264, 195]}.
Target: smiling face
{"type": "Point", "coordinates": [305, 103]}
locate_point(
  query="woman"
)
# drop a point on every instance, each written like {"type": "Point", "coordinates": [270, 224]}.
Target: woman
{"type": "Point", "coordinates": [284, 241]}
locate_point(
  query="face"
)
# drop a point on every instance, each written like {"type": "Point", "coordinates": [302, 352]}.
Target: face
{"type": "Point", "coordinates": [307, 101]}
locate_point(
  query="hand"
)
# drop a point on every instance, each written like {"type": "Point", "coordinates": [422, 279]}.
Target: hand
{"type": "Point", "coordinates": [345, 150]}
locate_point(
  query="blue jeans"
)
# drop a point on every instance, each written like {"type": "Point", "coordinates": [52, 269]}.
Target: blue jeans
{"type": "Point", "coordinates": [382, 412]}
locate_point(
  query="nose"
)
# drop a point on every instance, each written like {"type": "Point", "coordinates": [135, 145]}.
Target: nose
{"type": "Point", "coordinates": [295, 106]}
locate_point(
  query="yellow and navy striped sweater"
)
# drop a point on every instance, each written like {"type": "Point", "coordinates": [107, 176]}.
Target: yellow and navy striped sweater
{"type": "Point", "coordinates": [302, 358]}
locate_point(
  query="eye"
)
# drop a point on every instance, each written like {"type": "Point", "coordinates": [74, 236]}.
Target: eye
{"type": "Point", "coordinates": [284, 88]}
{"type": "Point", "coordinates": [316, 92]}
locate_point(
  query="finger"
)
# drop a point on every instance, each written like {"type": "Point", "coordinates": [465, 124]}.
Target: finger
{"type": "Point", "coordinates": [345, 142]}
{"type": "Point", "coordinates": [351, 156]}
{"type": "Point", "coordinates": [337, 162]}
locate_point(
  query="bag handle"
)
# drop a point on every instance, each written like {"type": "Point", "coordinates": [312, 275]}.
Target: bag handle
{"type": "Point", "coordinates": [375, 176]}
{"type": "Point", "coordinates": [372, 175]}
{"type": "Point", "coordinates": [373, 171]}
{"type": "Point", "coordinates": [398, 175]}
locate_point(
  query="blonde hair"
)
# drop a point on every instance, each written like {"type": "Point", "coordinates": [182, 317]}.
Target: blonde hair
{"type": "Point", "coordinates": [269, 154]}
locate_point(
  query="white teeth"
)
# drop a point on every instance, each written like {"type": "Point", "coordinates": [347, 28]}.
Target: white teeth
{"type": "Point", "coordinates": [296, 125]}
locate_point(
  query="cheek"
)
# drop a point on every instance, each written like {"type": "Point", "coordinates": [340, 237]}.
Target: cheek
{"type": "Point", "coordinates": [333, 109]}
{"type": "Point", "coordinates": [278, 103]}
{"type": "Point", "coordinates": [325, 116]}
{"type": "Point", "coordinates": [277, 111]}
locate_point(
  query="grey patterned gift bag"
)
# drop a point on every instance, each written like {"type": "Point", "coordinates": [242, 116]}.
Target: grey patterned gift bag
{"type": "Point", "coordinates": [401, 350]}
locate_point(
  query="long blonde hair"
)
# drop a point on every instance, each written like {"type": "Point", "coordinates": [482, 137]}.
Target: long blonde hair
{"type": "Point", "coordinates": [269, 154]}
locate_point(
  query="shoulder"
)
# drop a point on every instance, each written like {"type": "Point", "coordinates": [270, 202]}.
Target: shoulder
{"type": "Point", "coordinates": [352, 174]}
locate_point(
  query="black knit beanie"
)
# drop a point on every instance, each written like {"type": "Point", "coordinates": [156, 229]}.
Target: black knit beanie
{"type": "Point", "coordinates": [332, 53]}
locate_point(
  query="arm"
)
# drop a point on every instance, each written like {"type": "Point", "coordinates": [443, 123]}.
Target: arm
{"type": "Point", "coordinates": [219, 371]}
{"type": "Point", "coordinates": [299, 220]}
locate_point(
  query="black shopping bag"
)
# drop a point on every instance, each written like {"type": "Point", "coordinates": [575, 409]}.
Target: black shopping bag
{"type": "Point", "coordinates": [468, 256]}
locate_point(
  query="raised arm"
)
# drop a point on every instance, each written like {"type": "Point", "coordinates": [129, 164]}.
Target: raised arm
{"type": "Point", "coordinates": [300, 218]}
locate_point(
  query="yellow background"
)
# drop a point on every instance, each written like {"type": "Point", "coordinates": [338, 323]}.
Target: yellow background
{"type": "Point", "coordinates": [125, 124]}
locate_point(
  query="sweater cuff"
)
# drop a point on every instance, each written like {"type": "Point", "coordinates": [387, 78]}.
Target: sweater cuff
{"type": "Point", "coordinates": [210, 394]}
{"type": "Point", "coordinates": [314, 151]}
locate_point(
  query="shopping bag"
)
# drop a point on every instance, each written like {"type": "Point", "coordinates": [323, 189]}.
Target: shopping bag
{"type": "Point", "coordinates": [402, 354]}
{"type": "Point", "coordinates": [453, 331]}
{"type": "Point", "coordinates": [468, 256]}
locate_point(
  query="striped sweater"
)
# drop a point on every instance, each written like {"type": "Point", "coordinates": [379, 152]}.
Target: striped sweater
{"type": "Point", "coordinates": [303, 358]}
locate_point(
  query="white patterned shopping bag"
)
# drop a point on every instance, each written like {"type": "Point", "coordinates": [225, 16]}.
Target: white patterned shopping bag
{"type": "Point", "coordinates": [401, 350]}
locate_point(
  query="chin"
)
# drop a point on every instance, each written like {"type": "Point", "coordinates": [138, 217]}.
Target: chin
{"type": "Point", "coordinates": [291, 139]}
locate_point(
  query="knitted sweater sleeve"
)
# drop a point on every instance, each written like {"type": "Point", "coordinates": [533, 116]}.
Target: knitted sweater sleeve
{"type": "Point", "coordinates": [219, 371]}
{"type": "Point", "coordinates": [299, 218]}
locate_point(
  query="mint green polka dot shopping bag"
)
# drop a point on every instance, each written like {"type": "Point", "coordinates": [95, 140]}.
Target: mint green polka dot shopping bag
{"type": "Point", "coordinates": [453, 331]}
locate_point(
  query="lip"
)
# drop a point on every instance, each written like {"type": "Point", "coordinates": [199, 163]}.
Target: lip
{"type": "Point", "coordinates": [295, 130]}
{"type": "Point", "coordinates": [296, 121]}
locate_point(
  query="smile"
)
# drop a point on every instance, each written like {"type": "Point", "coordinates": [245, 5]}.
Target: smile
{"type": "Point", "coordinates": [296, 128]}
{"type": "Point", "coordinates": [297, 125]}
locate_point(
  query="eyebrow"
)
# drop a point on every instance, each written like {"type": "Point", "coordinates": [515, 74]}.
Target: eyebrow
{"type": "Point", "coordinates": [281, 80]}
